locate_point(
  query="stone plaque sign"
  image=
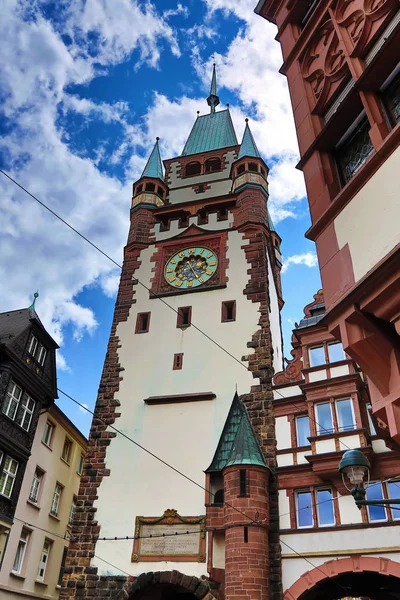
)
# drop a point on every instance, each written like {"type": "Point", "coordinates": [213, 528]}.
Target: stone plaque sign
{"type": "Point", "coordinates": [166, 538]}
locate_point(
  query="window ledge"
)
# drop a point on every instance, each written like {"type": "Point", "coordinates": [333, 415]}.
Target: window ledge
{"type": "Point", "coordinates": [34, 504]}
{"type": "Point", "coordinates": [17, 575]}
{"type": "Point", "coordinates": [54, 517]}
{"type": "Point", "coordinates": [47, 446]}
{"type": "Point", "coordinates": [65, 461]}
{"type": "Point", "coordinates": [39, 582]}
{"type": "Point", "coordinates": [58, 586]}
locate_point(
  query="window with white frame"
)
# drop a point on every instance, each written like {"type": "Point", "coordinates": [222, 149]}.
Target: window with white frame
{"type": "Point", "coordinates": [55, 504]}
{"type": "Point", "coordinates": [8, 475]}
{"type": "Point", "coordinates": [18, 406]}
{"type": "Point", "coordinates": [66, 452]}
{"type": "Point", "coordinates": [370, 421]}
{"type": "Point", "coordinates": [335, 352]}
{"type": "Point", "coordinates": [25, 412]}
{"type": "Point", "coordinates": [344, 414]}
{"type": "Point", "coordinates": [12, 400]}
{"type": "Point", "coordinates": [44, 560]}
{"type": "Point", "coordinates": [36, 484]}
{"type": "Point", "coordinates": [375, 492]}
{"type": "Point", "coordinates": [72, 512]}
{"type": "Point", "coordinates": [314, 508]}
{"type": "Point", "coordinates": [48, 433]}
{"type": "Point", "coordinates": [20, 553]}
{"type": "Point", "coordinates": [394, 492]}
{"type": "Point", "coordinates": [303, 430]}
{"type": "Point", "coordinates": [37, 350]}
{"type": "Point", "coordinates": [33, 345]}
{"type": "Point", "coordinates": [317, 356]}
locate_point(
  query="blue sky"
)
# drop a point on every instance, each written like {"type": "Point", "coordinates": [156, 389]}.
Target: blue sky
{"type": "Point", "coordinates": [85, 88]}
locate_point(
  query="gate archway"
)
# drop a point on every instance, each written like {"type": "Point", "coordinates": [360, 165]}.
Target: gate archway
{"type": "Point", "coordinates": [363, 577]}
{"type": "Point", "coordinates": [167, 585]}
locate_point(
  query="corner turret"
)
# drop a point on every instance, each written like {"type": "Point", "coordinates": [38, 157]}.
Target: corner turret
{"type": "Point", "coordinates": [150, 188]}
{"type": "Point", "coordinates": [249, 169]}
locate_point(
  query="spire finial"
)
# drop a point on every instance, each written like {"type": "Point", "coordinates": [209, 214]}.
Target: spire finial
{"type": "Point", "coordinates": [157, 138]}
{"type": "Point", "coordinates": [35, 296]}
{"type": "Point", "coordinates": [246, 119]}
{"type": "Point", "coordinates": [213, 99]}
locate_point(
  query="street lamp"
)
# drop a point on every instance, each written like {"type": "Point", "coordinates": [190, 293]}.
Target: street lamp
{"type": "Point", "coordinates": [355, 465]}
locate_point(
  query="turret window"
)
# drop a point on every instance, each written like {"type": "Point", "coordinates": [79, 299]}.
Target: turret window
{"type": "Point", "coordinates": [241, 169]}
{"type": "Point", "coordinates": [242, 482]}
{"type": "Point", "coordinates": [160, 192]}
{"type": "Point", "coordinates": [252, 167]}
{"type": "Point", "coordinates": [150, 187]}
{"type": "Point", "coordinates": [139, 189]}
{"type": "Point", "coordinates": [193, 168]}
{"type": "Point", "coordinates": [212, 165]}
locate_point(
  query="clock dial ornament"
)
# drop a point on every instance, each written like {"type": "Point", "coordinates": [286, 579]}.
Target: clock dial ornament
{"type": "Point", "coordinates": [190, 268]}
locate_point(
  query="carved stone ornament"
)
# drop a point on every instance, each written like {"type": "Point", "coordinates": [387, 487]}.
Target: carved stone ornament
{"type": "Point", "coordinates": [324, 66]}
{"type": "Point", "coordinates": [293, 369]}
{"type": "Point", "coordinates": [363, 19]}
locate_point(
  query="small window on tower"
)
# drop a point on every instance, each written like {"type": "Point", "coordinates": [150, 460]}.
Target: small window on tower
{"type": "Point", "coordinates": [139, 189]}
{"type": "Point", "coordinates": [213, 164]}
{"type": "Point", "coordinates": [150, 187]}
{"type": "Point", "coordinates": [228, 311]}
{"type": "Point", "coordinates": [160, 191]}
{"type": "Point", "coordinates": [252, 167]}
{"type": "Point", "coordinates": [142, 323]}
{"type": "Point", "coordinates": [184, 316]}
{"type": "Point", "coordinates": [240, 170]}
{"type": "Point", "coordinates": [262, 171]}
{"type": "Point", "coordinates": [242, 482]}
{"type": "Point", "coordinates": [193, 168]}
{"type": "Point", "coordinates": [178, 362]}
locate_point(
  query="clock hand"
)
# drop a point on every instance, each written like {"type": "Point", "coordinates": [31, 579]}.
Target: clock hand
{"type": "Point", "coordinates": [193, 271]}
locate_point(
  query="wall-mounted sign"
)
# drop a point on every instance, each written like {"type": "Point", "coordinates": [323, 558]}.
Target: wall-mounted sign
{"type": "Point", "coordinates": [170, 537]}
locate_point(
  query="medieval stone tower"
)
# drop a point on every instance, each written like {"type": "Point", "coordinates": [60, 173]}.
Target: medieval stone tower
{"type": "Point", "coordinates": [202, 261]}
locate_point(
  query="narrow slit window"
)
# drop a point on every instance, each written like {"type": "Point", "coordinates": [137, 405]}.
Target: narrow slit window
{"type": "Point", "coordinates": [184, 316]}
{"type": "Point", "coordinates": [245, 534]}
{"type": "Point", "coordinates": [242, 482]}
{"type": "Point", "coordinates": [142, 322]}
{"type": "Point", "coordinates": [228, 311]}
{"type": "Point", "coordinates": [178, 362]}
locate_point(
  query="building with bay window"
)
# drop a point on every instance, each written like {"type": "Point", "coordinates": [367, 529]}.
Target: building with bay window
{"type": "Point", "coordinates": [341, 59]}
{"type": "Point", "coordinates": [322, 408]}
{"type": "Point", "coordinates": [27, 387]}
{"type": "Point", "coordinates": [37, 542]}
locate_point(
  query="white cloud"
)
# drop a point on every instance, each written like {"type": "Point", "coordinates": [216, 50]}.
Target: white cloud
{"type": "Point", "coordinates": [309, 259]}
{"type": "Point", "coordinates": [37, 65]}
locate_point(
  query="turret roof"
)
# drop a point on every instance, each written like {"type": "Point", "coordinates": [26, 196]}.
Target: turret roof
{"type": "Point", "coordinates": [153, 166]}
{"type": "Point", "coordinates": [211, 132]}
{"type": "Point", "coordinates": [238, 444]}
{"type": "Point", "coordinates": [248, 146]}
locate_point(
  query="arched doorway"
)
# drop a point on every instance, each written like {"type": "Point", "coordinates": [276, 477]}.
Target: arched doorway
{"type": "Point", "coordinates": [358, 578]}
{"type": "Point", "coordinates": [168, 585]}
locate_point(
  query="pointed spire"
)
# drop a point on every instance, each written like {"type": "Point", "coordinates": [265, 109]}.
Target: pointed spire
{"type": "Point", "coordinates": [213, 99]}
{"type": "Point", "coordinates": [248, 146]}
{"type": "Point", "coordinates": [153, 166]}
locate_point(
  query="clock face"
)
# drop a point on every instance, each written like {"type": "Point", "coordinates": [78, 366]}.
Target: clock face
{"type": "Point", "coordinates": [190, 268]}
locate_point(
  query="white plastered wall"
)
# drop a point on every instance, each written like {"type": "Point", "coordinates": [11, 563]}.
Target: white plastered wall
{"type": "Point", "coordinates": [282, 433]}
{"type": "Point", "coordinates": [370, 223]}
{"type": "Point", "coordinates": [274, 320]}
{"type": "Point", "coordinates": [185, 435]}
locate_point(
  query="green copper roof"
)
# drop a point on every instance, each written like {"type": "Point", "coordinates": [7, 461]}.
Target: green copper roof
{"type": "Point", "coordinates": [211, 132]}
{"type": "Point", "coordinates": [238, 444]}
{"type": "Point", "coordinates": [153, 166]}
{"type": "Point", "coordinates": [248, 146]}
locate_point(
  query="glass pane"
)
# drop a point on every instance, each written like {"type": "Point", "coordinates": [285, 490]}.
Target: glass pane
{"type": "Point", "coordinates": [370, 421]}
{"type": "Point", "coordinates": [303, 430]}
{"type": "Point", "coordinates": [394, 492]}
{"type": "Point", "coordinates": [355, 151]}
{"type": "Point", "coordinates": [317, 356]}
{"type": "Point", "coordinates": [304, 510]}
{"type": "Point", "coordinates": [324, 418]}
{"type": "Point", "coordinates": [345, 417]}
{"type": "Point", "coordinates": [335, 352]}
{"type": "Point", "coordinates": [325, 512]}
{"type": "Point", "coordinates": [392, 96]}
{"type": "Point", "coordinates": [374, 492]}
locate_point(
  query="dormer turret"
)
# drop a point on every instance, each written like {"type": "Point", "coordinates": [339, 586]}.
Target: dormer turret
{"type": "Point", "coordinates": [249, 169]}
{"type": "Point", "coordinates": [151, 189]}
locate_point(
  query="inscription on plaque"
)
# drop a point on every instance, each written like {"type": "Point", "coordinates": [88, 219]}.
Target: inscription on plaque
{"type": "Point", "coordinates": [170, 537]}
